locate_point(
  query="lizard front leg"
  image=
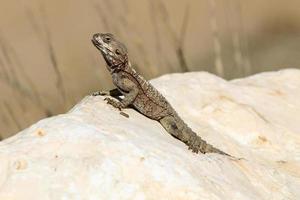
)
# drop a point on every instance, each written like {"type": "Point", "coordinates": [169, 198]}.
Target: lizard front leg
{"type": "Point", "coordinates": [131, 93]}
{"type": "Point", "coordinates": [114, 93]}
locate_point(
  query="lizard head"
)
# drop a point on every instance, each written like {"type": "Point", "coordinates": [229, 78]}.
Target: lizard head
{"type": "Point", "coordinates": [113, 51]}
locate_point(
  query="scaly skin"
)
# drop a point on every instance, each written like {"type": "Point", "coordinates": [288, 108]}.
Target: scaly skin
{"type": "Point", "coordinates": [140, 94]}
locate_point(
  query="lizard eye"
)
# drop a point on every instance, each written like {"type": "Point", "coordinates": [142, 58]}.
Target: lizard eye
{"type": "Point", "coordinates": [107, 39]}
{"type": "Point", "coordinates": [118, 52]}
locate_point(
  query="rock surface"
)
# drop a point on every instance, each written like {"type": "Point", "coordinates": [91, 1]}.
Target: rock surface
{"type": "Point", "coordinates": [93, 152]}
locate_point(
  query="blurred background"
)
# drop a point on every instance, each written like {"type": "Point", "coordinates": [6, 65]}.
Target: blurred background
{"type": "Point", "coordinates": [47, 62]}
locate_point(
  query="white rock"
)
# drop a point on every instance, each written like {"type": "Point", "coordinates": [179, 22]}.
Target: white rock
{"type": "Point", "coordinates": [93, 152]}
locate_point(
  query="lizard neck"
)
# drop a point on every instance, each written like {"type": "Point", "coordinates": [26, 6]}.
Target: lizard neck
{"type": "Point", "coordinates": [122, 66]}
{"type": "Point", "coordinates": [126, 67]}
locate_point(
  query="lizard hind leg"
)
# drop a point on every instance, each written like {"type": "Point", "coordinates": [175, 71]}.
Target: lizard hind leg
{"type": "Point", "coordinates": [172, 127]}
{"type": "Point", "coordinates": [182, 132]}
{"type": "Point", "coordinates": [169, 124]}
{"type": "Point", "coordinates": [196, 143]}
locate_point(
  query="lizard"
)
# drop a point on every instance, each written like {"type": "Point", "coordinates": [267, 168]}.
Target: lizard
{"type": "Point", "coordinates": [141, 95]}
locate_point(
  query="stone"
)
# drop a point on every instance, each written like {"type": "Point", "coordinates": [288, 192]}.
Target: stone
{"type": "Point", "coordinates": [94, 152]}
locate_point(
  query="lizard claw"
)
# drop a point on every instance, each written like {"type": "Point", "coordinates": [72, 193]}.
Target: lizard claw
{"type": "Point", "coordinates": [100, 93]}
{"type": "Point", "coordinates": [196, 145]}
{"type": "Point", "coordinates": [193, 149]}
{"type": "Point", "coordinates": [114, 103]}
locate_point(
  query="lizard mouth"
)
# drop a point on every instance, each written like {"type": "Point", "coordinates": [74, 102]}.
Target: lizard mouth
{"type": "Point", "coordinates": [103, 51]}
{"type": "Point", "coordinates": [97, 44]}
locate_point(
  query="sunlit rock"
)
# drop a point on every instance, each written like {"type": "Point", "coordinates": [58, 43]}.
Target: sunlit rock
{"type": "Point", "coordinates": [94, 152]}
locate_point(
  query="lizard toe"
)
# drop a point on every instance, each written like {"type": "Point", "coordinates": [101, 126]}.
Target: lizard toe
{"type": "Point", "coordinates": [114, 103]}
{"type": "Point", "coordinates": [96, 93]}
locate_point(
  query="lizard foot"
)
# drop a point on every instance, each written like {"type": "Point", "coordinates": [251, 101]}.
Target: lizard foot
{"type": "Point", "coordinates": [199, 145]}
{"type": "Point", "coordinates": [193, 149]}
{"type": "Point", "coordinates": [100, 93]}
{"type": "Point", "coordinates": [114, 103]}
{"type": "Point", "coordinates": [196, 144]}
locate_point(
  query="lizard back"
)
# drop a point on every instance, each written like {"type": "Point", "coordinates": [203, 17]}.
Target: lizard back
{"type": "Point", "coordinates": [149, 100]}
